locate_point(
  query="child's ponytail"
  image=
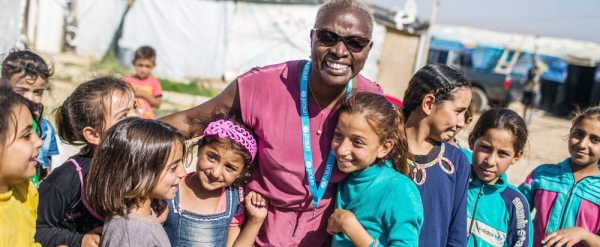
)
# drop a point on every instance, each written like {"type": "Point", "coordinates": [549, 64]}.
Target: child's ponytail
{"type": "Point", "coordinates": [64, 128]}
{"type": "Point", "coordinates": [386, 120]}
{"type": "Point", "coordinates": [87, 106]}
{"type": "Point", "coordinates": [400, 153]}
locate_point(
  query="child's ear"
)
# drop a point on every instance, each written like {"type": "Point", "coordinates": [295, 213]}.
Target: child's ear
{"type": "Point", "coordinates": [91, 136]}
{"type": "Point", "coordinates": [471, 141]}
{"type": "Point", "coordinates": [517, 157]}
{"type": "Point", "coordinates": [385, 148]}
{"type": "Point", "coordinates": [428, 103]}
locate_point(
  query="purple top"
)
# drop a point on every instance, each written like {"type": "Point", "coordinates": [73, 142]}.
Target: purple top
{"type": "Point", "coordinates": [268, 109]}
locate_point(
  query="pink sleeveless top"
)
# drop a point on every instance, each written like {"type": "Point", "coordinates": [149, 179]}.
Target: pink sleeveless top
{"type": "Point", "coordinates": [269, 98]}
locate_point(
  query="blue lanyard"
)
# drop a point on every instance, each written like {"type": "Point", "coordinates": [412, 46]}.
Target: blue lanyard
{"type": "Point", "coordinates": [316, 192]}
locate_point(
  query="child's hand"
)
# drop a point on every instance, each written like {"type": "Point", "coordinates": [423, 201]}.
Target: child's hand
{"type": "Point", "coordinates": [341, 219]}
{"type": "Point", "coordinates": [92, 238]}
{"type": "Point", "coordinates": [140, 92]}
{"type": "Point", "coordinates": [565, 237]}
{"type": "Point", "coordinates": [256, 206]}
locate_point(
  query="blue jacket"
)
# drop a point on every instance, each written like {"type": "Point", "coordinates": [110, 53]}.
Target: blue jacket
{"type": "Point", "coordinates": [444, 196]}
{"type": "Point", "coordinates": [498, 215]}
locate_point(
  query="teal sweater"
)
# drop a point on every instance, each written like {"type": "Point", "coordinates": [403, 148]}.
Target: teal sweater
{"type": "Point", "coordinates": [386, 203]}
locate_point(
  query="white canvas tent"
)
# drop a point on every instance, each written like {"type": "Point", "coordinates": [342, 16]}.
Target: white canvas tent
{"type": "Point", "coordinates": [222, 39]}
{"type": "Point", "coordinates": [10, 24]}
{"type": "Point", "coordinates": [189, 36]}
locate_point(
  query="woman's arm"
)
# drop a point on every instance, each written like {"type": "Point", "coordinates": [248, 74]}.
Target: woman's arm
{"type": "Point", "coordinates": [187, 121]}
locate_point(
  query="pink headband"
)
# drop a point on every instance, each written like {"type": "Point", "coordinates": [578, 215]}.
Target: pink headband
{"type": "Point", "coordinates": [227, 129]}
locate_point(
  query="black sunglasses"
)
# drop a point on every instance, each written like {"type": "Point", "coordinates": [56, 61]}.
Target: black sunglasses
{"type": "Point", "coordinates": [352, 43]}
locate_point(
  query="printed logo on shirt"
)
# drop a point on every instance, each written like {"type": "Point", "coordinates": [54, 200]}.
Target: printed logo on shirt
{"type": "Point", "coordinates": [521, 222]}
{"type": "Point", "coordinates": [488, 234]}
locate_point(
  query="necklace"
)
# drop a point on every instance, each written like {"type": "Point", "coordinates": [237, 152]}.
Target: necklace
{"type": "Point", "coordinates": [320, 111]}
{"type": "Point", "coordinates": [419, 170]}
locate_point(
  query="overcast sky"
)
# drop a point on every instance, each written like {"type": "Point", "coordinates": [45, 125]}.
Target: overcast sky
{"type": "Point", "coordinates": [575, 19]}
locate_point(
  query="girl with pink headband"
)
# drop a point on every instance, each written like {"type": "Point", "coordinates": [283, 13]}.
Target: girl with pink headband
{"type": "Point", "coordinates": [209, 207]}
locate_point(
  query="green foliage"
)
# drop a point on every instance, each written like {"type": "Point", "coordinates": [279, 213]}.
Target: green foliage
{"type": "Point", "coordinates": [109, 65]}
{"type": "Point", "coordinates": [193, 88]}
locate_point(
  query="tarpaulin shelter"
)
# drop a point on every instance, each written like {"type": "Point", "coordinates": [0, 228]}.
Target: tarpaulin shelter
{"type": "Point", "coordinates": [568, 65]}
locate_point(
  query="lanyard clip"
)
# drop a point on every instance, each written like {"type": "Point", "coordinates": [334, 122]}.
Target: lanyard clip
{"type": "Point", "coordinates": [314, 212]}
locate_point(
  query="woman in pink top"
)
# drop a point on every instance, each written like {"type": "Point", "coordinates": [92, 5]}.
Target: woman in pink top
{"type": "Point", "coordinates": [292, 108]}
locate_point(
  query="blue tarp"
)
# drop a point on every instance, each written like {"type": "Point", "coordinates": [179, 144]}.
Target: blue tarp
{"type": "Point", "coordinates": [486, 58]}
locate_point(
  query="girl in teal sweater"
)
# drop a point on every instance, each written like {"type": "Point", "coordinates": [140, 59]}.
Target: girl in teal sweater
{"type": "Point", "coordinates": [377, 205]}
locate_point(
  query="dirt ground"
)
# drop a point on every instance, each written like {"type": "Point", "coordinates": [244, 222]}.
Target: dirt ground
{"type": "Point", "coordinates": [547, 134]}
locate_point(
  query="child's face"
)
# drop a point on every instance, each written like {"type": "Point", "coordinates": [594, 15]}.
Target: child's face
{"type": "Point", "coordinates": [355, 145]}
{"type": "Point", "coordinates": [171, 176]}
{"type": "Point", "coordinates": [493, 153]}
{"type": "Point", "coordinates": [19, 160]}
{"type": "Point", "coordinates": [584, 142]}
{"type": "Point", "coordinates": [448, 117]}
{"type": "Point", "coordinates": [218, 167]}
{"type": "Point", "coordinates": [31, 89]}
{"type": "Point", "coordinates": [122, 105]}
{"type": "Point", "coordinates": [461, 127]}
{"type": "Point", "coordinates": [143, 67]}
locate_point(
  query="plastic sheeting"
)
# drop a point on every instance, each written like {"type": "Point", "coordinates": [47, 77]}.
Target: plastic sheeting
{"type": "Point", "coordinates": [97, 23]}
{"type": "Point", "coordinates": [556, 47]}
{"type": "Point", "coordinates": [10, 24]}
{"type": "Point", "coordinates": [263, 34]}
{"type": "Point", "coordinates": [189, 35]}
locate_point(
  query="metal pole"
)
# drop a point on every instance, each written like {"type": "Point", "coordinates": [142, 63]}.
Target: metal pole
{"type": "Point", "coordinates": [432, 17]}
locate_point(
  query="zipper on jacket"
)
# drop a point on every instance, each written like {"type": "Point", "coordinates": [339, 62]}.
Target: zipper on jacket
{"type": "Point", "coordinates": [567, 204]}
{"type": "Point", "coordinates": [475, 209]}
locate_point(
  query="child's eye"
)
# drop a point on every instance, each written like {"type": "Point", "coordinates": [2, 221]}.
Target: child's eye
{"type": "Point", "coordinates": [231, 168]}
{"type": "Point", "coordinates": [358, 143]}
{"type": "Point", "coordinates": [337, 136]}
{"type": "Point", "coordinates": [211, 158]}
{"type": "Point", "coordinates": [595, 140]}
{"type": "Point", "coordinates": [39, 92]}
